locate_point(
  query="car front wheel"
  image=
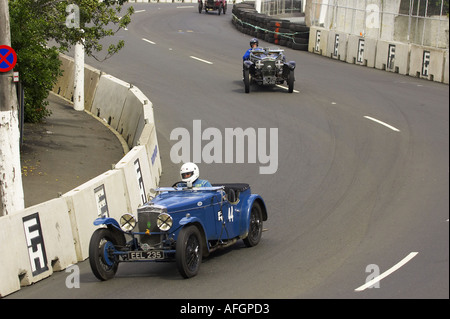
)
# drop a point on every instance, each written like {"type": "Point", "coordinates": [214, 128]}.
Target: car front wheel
{"type": "Point", "coordinates": [188, 251]}
{"type": "Point", "coordinates": [290, 81]}
{"type": "Point", "coordinates": [247, 80]}
{"type": "Point", "coordinates": [103, 263]}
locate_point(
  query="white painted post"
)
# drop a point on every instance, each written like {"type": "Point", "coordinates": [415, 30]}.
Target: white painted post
{"type": "Point", "coordinates": [78, 88]}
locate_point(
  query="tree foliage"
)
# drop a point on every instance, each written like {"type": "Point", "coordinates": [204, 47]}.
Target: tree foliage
{"type": "Point", "coordinates": [40, 30]}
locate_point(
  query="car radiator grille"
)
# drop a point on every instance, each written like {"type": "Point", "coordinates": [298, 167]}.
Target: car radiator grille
{"type": "Point", "coordinates": [147, 221]}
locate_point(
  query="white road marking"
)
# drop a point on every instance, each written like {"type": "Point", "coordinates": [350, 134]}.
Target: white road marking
{"type": "Point", "coordinates": [146, 40]}
{"type": "Point", "coordinates": [388, 272]}
{"type": "Point", "coordinates": [137, 11]}
{"type": "Point", "coordinates": [201, 60]}
{"type": "Point", "coordinates": [185, 7]}
{"type": "Point", "coordinates": [382, 123]}
{"type": "Point", "coordinates": [283, 87]}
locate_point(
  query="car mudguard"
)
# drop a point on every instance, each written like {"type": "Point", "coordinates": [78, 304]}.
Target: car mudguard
{"type": "Point", "coordinates": [248, 64]}
{"type": "Point", "coordinates": [246, 213]}
{"type": "Point", "coordinates": [106, 221]}
{"type": "Point", "coordinates": [291, 65]}
{"type": "Point", "coordinates": [195, 220]}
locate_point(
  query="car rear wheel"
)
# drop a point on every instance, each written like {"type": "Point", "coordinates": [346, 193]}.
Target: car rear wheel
{"type": "Point", "coordinates": [103, 264]}
{"type": "Point", "coordinates": [188, 254]}
{"type": "Point", "coordinates": [255, 226]}
{"type": "Point", "coordinates": [247, 80]}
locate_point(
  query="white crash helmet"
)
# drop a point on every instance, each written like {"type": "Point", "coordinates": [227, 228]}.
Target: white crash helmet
{"type": "Point", "coordinates": [189, 172]}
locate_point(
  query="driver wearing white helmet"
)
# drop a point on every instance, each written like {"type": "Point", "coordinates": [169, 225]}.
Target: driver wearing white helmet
{"type": "Point", "coordinates": [190, 173]}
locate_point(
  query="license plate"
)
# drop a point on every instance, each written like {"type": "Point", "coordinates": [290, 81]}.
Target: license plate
{"type": "Point", "coordinates": [146, 255]}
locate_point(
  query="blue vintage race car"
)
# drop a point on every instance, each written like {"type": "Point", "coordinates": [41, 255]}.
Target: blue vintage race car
{"type": "Point", "coordinates": [180, 224]}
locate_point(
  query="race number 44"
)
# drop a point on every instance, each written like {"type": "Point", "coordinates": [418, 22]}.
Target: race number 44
{"type": "Point", "coordinates": [230, 214]}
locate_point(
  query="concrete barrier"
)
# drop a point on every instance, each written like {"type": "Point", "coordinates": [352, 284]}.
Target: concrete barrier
{"type": "Point", "coordinates": [427, 63]}
{"type": "Point", "coordinates": [34, 243]}
{"type": "Point", "coordinates": [109, 99]}
{"type": "Point", "coordinates": [64, 85]}
{"type": "Point", "coordinates": [392, 57]}
{"type": "Point", "coordinates": [318, 41]}
{"type": "Point", "coordinates": [132, 118]}
{"type": "Point", "coordinates": [361, 50]}
{"type": "Point", "coordinates": [149, 139]}
{"type": "Point", "coordinates": [337, 45]}
{"type": "Point", "coordinates": [136, 169]}
{"type": "Point", "coordinates": [103, 196]}
{"type": "Point", "coordinates": [91, 79]}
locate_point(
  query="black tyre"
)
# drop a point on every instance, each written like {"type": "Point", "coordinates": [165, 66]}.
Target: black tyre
{"type": "Point", "coordinates": [255, 226]}
{"type": "Point", "coordinates": [188, 253]}
{"type": "Point", "coordinates": [290, 81]}
{"type": "Point", "coordinates": [247, 80]}
{"type": "Point", "coordinates": [103, 264]}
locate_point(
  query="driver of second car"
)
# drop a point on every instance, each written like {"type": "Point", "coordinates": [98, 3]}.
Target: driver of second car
{"type": "Point", "coordinates": [190, 173]}
{"type": "Point", "coordinates": [253, 45]}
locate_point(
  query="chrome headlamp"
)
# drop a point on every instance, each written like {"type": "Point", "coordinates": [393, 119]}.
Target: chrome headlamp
{"type": "Point", "coordinates": [279, 64]}
{"type": "Point", "coordinates": [127, 222]}
{"type": "Point", "coordinates": [164, 222]}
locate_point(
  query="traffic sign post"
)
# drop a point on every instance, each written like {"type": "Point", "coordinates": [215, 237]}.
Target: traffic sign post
{"type": "Point", "coordinates": [8, 58]}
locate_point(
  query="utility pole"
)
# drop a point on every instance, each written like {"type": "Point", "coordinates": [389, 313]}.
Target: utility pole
{"type": "Point", "coordinates": [11, 189]}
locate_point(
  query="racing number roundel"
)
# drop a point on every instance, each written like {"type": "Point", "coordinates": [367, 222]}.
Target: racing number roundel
{"type": "Point", "coordinates": [8, 58]}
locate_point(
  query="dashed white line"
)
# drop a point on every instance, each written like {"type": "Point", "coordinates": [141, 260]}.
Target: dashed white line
{"type": "Point", "coordinates": [388, 272]}
{"type": "Point", "coordinates": [382, 123]}
{"type": "Point", "coordinates": [146, 40]}
{"type": "Point", "coordinates": [138, 11]}
{"type": "Point", "coordinates": [201, 60]}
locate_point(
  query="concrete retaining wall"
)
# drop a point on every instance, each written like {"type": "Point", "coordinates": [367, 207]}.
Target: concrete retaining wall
{"type": "Point", "coordinates": [55, 234]}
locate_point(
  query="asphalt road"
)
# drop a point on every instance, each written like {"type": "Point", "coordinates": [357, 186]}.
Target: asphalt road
{"type": "Point", "coordinates": [361, 186]}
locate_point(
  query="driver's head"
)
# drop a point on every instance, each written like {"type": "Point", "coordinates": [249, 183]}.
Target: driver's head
{"type": "Point", "coordinates": [189, 172]}
{"type": "Point", "coordinates": [253, 42]}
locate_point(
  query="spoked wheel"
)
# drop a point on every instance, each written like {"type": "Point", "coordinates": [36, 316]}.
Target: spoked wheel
{"type": "Point", "coordinates": [255, 226]}
{"type": "Point", "coordinates": [188, 251]}
{"type": "Point", "coordinates": [103, 263]}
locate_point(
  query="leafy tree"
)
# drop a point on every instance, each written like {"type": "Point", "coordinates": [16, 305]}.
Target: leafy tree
{"type": "Point", "coordinates": [36, 23]}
